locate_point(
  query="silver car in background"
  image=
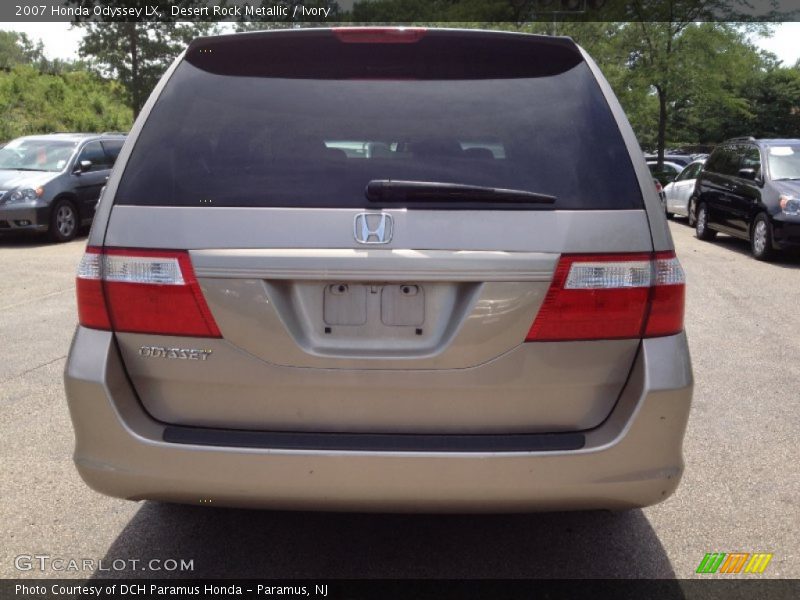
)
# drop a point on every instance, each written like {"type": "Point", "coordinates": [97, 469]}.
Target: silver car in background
{"type": "Point", "coordinates": [677, 193]}
{"type": "Point", "coordinates": [381, 269]}
{"type": "Point", "coordinates": [51, 183]}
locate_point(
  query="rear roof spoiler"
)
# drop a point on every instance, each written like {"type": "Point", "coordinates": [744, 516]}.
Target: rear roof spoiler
{"type": "Point", "coordinates": [434, 54]}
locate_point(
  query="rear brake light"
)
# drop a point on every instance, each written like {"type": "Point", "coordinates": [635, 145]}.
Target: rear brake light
{"type": "Point", "coordinates": [379, 35]}
{"type": "Point", "coordinates": [89, 287]}
{"type": "Point", "coordinates": [614, 296]}
{"type": "Point", "coordinates": [667, 300]}
{"type": "Point", "coordinates": [142, 291]}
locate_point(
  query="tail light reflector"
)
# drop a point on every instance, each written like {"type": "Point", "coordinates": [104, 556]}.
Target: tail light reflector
{"type": "Point", "coordinates": [613, 296]}
{"type": "Point", "coordinates": [142, 291]}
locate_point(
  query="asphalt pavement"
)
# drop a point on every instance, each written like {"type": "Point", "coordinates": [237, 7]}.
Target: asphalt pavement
{"type": "Point", "coordinates": [740, 492]}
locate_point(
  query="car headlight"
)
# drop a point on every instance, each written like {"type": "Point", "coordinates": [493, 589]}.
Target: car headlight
{"type": "Point", "coordinates": [790, 205]}
{"type": "Point", "coordinates": [25, 195]}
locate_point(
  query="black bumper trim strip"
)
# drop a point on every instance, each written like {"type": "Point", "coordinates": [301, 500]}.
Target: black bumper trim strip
{"type": "Point", "coordinates": [377, 442]}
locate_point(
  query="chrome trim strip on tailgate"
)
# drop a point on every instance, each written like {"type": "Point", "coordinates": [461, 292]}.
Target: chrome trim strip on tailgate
{"type": "Point", "coordinates": [367, 265]}
{"type": "Point", "coordinates": [549, 231]}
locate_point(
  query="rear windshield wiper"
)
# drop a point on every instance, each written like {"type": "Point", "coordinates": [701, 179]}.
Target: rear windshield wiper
{"type": "Point", "coordinates": [391, 190]}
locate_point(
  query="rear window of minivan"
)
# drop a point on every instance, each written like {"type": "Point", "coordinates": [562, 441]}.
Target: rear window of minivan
{"type": "Point", "coordinates": [306, 120]}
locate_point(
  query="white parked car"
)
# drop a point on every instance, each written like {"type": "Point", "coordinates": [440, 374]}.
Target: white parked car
{"type": "Point", "coordinates": [679, 191]}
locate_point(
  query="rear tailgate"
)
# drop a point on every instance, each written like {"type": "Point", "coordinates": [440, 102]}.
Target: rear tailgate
{"type": "Point", "coordinates": [339, 314]}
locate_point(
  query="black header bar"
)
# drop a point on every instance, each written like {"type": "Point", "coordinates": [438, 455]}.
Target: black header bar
{"type": "Point", "coordinates": [330, 12]}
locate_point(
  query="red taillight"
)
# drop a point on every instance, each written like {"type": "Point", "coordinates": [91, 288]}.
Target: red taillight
{"type": "Point", "coordinates": [668, 296]}
{"type": "Point", "coordinates": [379, 35]}
{"type": "Point", "coordinates": [142, 291]}
{"type": "Point", "coordinates": [612, 296]}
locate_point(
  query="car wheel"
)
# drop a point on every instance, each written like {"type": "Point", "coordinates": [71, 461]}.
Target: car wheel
{"type": "Point", "coordinates": [670, 215]}
{"type": "Point", "coordinates": [690, 216]}
{"type": "Point", "coordinates": [701, 225]}
{"type": "Point", "coordinates": [64, 221]}
{"type": "Point", "coordinates": [761, 238]}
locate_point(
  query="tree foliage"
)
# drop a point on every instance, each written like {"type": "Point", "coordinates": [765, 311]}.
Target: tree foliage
{"type": "Point", "coordinates": [35, 102]}
{"type": "Point", "coordinates": [38, 95]}
{"type": "Point", "coordinates": [137, 53]}
{"type": "Point", "coordinates": [17, 49]}
{"type": "Point", "coordinates": [716, 84]}
{"type": "Point", "coordinates": [683, 76]}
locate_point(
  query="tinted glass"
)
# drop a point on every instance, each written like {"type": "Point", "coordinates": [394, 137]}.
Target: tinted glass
{"type": "Point", "coordinates": [112, 148]}
{"type": "Point", "coordinates": [751, 159]}
{"type": "Point", "coordinates": [724, 160]}
{"type": "Point", "coordinates": [713, 159]}
{"type": "Point", "coordinates": [689, 172]}
{"type": "Point", "coordinates": [217, 139]}
{"type": "Point", "coordinates": [93, 152]}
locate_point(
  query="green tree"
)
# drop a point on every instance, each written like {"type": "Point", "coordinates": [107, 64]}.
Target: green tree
{"type": "Point", "coordinates": [17, 49]}
{"type": "Point", "coordinates": [679, 72]}
{"type": "Point", "coordinates": [662, 47]}
{"type": "Point", "coordinates": [717, 68]}
{"type": "Point", "coordinates": [136, 54]}
{"type": "Point", "coordinates": [34, 102]}
{"type": "Point", "coordinates": [775, 101]}
{"type": "Point", "coordinates": [707, 83]}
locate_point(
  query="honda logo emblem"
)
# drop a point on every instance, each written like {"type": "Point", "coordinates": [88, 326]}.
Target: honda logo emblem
{"type": "Point", "coordinates": [373, 228]}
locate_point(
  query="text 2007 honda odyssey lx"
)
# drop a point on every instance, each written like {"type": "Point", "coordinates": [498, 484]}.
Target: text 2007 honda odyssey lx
{"type": "Point", "coordinates": [381, 269]}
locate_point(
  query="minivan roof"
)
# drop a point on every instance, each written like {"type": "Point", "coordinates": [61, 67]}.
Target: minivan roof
{"type": "Point", "coordinates": [72, 137]}
{"type": "Point", "coordinates": [764, 141]}
{"type": "Point", "coordinates": [773, 141]}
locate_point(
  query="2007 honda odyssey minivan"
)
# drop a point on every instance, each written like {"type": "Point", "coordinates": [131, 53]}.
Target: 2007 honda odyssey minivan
{"type": "Point", "coordinates": [381, 269]}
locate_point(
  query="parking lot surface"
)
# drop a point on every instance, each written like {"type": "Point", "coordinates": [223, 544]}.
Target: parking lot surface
{"type": "Point", "coordinates": [740, 492]}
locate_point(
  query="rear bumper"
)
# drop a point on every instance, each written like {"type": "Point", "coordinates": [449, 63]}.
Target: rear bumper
{"type": "Point", "coordinates": [634, 458]}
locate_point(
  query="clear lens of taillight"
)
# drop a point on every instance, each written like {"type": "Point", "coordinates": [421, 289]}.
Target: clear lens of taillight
{"type": "Point", "coordinates": [612, 296]}
{"type": "Point", "coordinates": [142, 291]}
{"type": "Point", "coordinates": [606, 275]}
{"type": "Point", "coordinates": [143, 269]}
{"type": "Point", "coordinates": [89, 267]}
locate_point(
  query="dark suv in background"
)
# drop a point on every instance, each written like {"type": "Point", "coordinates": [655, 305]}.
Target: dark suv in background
{"type": "Point", "coordinates": [750, 189]}
{"type": "Point", "coordinates": [52, 182]}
